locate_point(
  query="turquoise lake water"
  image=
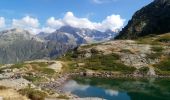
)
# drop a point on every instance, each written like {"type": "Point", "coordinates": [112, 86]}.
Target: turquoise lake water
{"type": "Point", "coordinates": [120, 89]}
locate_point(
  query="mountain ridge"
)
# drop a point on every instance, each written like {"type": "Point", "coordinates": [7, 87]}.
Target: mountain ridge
{"type": "Point", "coordinates": [151, 19]}
{"type": "Point", "coordinates": [17, 45]}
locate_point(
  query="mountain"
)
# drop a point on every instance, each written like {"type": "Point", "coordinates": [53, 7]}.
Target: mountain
{"type": "Point", "coordinates": [18, 45]}
{"type": "Point", "coordinates": [151, 19]}
{"type": "Point", "coordinates": [66, 34]}
{"type": "Point", "coordinates": [78, 35]}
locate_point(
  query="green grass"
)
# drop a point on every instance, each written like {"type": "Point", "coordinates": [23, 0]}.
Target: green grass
{"type": "Point", "coordinates": [98, 62]}
{"type": "Point", "coordinates": [147, 40]}
{"type": "Point", "coordinates": [163, 68]}
{"type": "Point", "coordinates": [39, 68]}
{"type": "Point", "coordinates": [155, 40]}
{"type": "Point", "coordinates": [35, 79]}
{"type": "Point", "coordinates": [154, 55]}
{"type": "Point", "coordinates": [42, 67]}
{"type": "Point", "coordinates": [63, 97]}
{"type": "Point", "coordinates": [19, 65]}
{"type": "Point", "coordinates": [1, 65]}
{"type": "Point", "coordinates": [144, 70]}
{"type": "Point", "coordinates": [164, 65]}
{"type": "Point", "coordinates": [126, 51]}
{"type": "Point", "coordinates": [106, 63]}
{"type": "Point", "coordinates": [90, 45]}
{"type": "Point", "coordinates": [33, 94]}
{"type": "Point", "coordinates": [164, 39]}
{"type": "Point", "coordinates": [47, 71]}
{"type": "Point", "coordinates": [157, 48]}
{"type": "Point", "coordinates": [41, 64]}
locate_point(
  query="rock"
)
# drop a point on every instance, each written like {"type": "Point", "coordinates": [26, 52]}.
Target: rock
{"type": "Point", "coordinates": [151, 19]}
{"type": "Point", "coordinates": [15, 70]}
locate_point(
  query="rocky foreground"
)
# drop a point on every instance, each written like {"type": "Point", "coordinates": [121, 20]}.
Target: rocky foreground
{"type": "Point", "coordinates": [40, 79]}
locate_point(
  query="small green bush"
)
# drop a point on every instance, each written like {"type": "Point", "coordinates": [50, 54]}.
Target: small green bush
{"type": "Point", "coordinates": [41, 64]}
{"type": "Point", "coordinates": [34, 78]}
{"type": "Point", "coordinates": [126, 51]}
{"type": "Point", "coordinates": [19, 65]}
{"type": "Point", "coordinates": [163, 68]}
{"type": "Point", "coordinates": [94, 51]}
{"type": "Point", "coordinates": [107, 63]}
{"type": "Point", "coordinates": [157, 49]}
{"type": "Point", "coordinates": [164, 39]}
{"type": "Point", "coordinates": [164, 65]}
{"type": "Point", "coordinates": [144, 70]}
{"type": "Point", "coordinates": [154, 55]}
{"type": "Point", "coordinates": [62, 97]}
{"type": "Point", "coordinates": [33, 94]}
{"type": "Point", "coordinates": [47, 71]}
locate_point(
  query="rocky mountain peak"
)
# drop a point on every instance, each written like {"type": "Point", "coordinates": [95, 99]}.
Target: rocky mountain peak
{"type": "Point", "coordinates": [16, 34]}
{"type": "Point", "coordinates": [162, 2]}
{"type": "Point", "coordinates": [151, 19]}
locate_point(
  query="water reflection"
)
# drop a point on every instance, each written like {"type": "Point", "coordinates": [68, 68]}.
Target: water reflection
{"type": "Point", "coordinates": [83, 90]}
{"type": "Point", "coordinates": [120, 89]}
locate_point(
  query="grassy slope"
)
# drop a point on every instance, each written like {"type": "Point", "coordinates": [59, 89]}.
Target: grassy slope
{"type": "Point", "coordinates": [111, 62]}
{"type": "Point", "coordinates": [158, 42]}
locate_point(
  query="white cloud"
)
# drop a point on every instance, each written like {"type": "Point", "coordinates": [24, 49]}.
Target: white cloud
{"type": "Point", "coordinates": [71, 20]}
{"type": "Point", "coordinates": [111, 92]}
{"type": "Point", "coordinates": [29, 23]}
{"type": "Point", "coordinates": [26, 21]}
{"type": "Point", "coordinates": [48, 29]}
{"type": "Point", "coordinates": [2, 22]}
{"type": "Point", "coordinates": [73, 86]}
{"type": "Point", "coordinates": [103, 1]}
{"type": "Point", "coordinates": [97, 1]}
{"type": "Point", "coordinates": [111, 22]}
{"type": "Point", "coordinates": [52, 22]}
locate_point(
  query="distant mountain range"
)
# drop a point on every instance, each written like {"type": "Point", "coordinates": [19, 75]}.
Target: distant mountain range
{"type": "Point", "coordinates": [77, 35]}
{"type": "Point", "coordinates": [151, 19]}
{"type": "Point", "coordinates": [18, 45]}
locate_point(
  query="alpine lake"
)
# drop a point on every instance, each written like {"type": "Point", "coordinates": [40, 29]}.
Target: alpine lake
{"type": "Point", "coordinates": [119, 88]}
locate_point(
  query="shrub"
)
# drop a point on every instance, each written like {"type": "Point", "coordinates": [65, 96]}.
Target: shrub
{"type": "Point", "coordinates": [62, 97]}
{"type": "Point", "coordinates": [165, 39]}
{"type": "Point", "coordinates": [19, 65]}
{"type": "Point", "coordinates": [3, 87]}
{"type": "Point", "coordinates": [107, 63]}
{"type": "Point", "coordinates": [41, 64]}
{"type": "Point", "coordinates": [126, 51]}
{"type": "Point", "coordinates": [34, 78]}
{"type": "Point", "coordinates": [143, 70]}
{"type": "Point", "coordinates": [164, 65]}
{"type": "Point", "coordinates": [163, 68]}
{"type": "Point", "coordinates": [94, 51]}
{"type": "Point", "coordinates": [33, 94]}
{"type": "Point", "coordinates": [47, 71]}
{"type": "Point", "coordinates": [157, 49]}
{"type": "Point", "coordinates": [154, 55]}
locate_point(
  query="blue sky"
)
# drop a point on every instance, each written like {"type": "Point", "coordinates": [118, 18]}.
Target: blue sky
{"type": "Point", "coordinates": [94, 11]}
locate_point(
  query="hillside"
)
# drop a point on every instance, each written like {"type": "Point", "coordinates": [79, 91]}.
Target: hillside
{"type": "Point", "coordinates": [39, 79]}
{"type": "Point", "coordinates": [145, 56]}
{"type": "Point", "coordinates": [151, 19]}
{"type": "Point", "coordinates": [79, 36]}
{"type": "Point", "coordinates": [17, 45]}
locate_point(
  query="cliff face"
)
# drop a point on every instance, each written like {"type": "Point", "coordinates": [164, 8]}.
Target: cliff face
{"type": "Point", "coordinates": [151, 19]}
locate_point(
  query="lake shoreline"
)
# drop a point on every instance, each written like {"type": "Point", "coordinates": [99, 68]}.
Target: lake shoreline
{"type": "Point", "coordinates": [57, 85]}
